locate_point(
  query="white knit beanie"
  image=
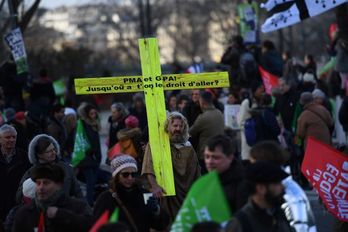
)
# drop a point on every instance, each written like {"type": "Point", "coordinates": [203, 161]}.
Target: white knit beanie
{"type": "Point", "coordinates": [121, 162]}
{"type": "Point", "coordinates": [29, 188]}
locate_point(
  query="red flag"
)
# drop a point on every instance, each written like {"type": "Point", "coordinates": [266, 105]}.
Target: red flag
{"type": "Point", "coordinates": [327, 170]}
{"type": "Point", "coordinates": [269, 80]}
{"type": "Point", "coordinates": [41, 225]}
{"type": "Point", "coordinates": [104, 218]}
{"type": "Point", "coordinates": [115, 150]}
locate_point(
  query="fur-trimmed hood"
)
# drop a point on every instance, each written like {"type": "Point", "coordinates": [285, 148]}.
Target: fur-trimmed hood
{"type": "Point", "coordinates": [128, 133]}
{"type": "Point", "coordinates": [83, 114]}
{"type": "Point", "coordinates": [33, 143]}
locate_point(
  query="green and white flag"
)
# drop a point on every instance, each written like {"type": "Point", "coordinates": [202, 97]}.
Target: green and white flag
{"type": "Point", "coordinates": [81, 145]}
{"type": "Point", "coordinates": [205, 201]}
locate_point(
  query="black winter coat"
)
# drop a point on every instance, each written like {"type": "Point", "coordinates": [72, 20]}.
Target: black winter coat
{"type": "Point", "coordinates": [10, 176]}
{"type": "Point", "coordinates": [343, 114]}
{"type": "Point", "coordinates": [143, 217]}
{"type": "Point", "coordinates": [73, 215]}
{"type": "Point", "coordinates": [233, 185]}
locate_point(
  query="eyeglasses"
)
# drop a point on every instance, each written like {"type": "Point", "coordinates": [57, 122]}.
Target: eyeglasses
{"type": "Point", "coordinates": [50, 151]}
{"type": "Point", "coordinates": [127, 174]}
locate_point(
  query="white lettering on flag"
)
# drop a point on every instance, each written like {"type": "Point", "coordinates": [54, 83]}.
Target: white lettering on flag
{"type": "Point", "coordinates": [293, 15]}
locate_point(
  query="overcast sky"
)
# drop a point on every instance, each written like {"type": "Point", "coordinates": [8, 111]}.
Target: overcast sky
{"type": "Point", "coordinates": [56, 3]}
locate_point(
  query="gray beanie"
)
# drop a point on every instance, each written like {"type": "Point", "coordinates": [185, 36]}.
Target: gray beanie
{"type": "Point", "coordinates": [317, 93]}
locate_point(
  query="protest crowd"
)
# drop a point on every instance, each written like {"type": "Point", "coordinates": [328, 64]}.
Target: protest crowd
{"type": "Point", "coordinates": [242, 157]}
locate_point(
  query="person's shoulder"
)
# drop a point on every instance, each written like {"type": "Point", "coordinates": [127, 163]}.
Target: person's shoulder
{"type": "Point", "coordinates": [105, 196]}
{"type": "Point", "coordinates": [66, 166]}
{"type": "Point", "coordinates": [24, 210]}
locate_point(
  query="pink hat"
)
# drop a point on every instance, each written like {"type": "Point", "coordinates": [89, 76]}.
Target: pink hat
{"type": "Point", "coordinates": [131, 121]}
{"type": "Point", "coordinates": [20, 115]}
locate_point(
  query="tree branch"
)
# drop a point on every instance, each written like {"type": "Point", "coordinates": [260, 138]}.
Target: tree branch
{"type": "Point", "coordinates": [28, 15]}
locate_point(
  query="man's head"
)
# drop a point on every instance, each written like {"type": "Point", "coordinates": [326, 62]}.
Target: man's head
{"type": "Point", "coordinates": [195, 95]}
{"type": "Point", "coordinates": [284, 85]}
{"type": "Point", "coordinates": [49, 179]}
{"type": "Point", "coordinates": [205, 100]}
{"type": "Point", "coordinates": [264, 181]}
{"type": "Point", "coordinates": [58, 111]}
{"type": "Point", "coordinates": [318, 96]}
{"type": "Point", "coordinates": [306, 98]}
{"type": "Point", "coordinates": [182, 102]}
{"type": "Point", "coordinates": [219, 153]}
{"type": "Point", "coordinates": [177, 127]}
{"type": "Point", "coordinates": [269, 151]}
{"type": "Point", "coordinates": [118, 111]}
{"type": "Point", "coordinates": [8, 137]}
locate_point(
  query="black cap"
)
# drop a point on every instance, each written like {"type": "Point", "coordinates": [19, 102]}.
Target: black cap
{"type": "Point", "coordinates": [46, 171]}
{"type": "Point", "coordinates": [265, 172]}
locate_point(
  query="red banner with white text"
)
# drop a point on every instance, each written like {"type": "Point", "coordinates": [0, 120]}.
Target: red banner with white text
{"type": "Point", "coordinates": [327, 170]}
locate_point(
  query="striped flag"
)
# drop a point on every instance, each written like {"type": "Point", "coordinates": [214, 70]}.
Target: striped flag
{"type": "Point", "coordinates": [288, 12]}
{"type": "Point", "coordinates": [101, 221]}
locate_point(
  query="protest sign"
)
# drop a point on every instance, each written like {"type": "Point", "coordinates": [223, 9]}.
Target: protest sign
{"type": "Point", "coordinates": [14, 39]}
{"type": "Point", "coordinates": [231, 114]}
{"type": "Point", "coordinates": [327, 170]}
{"type": "Point", "coordinates": [249, 17]}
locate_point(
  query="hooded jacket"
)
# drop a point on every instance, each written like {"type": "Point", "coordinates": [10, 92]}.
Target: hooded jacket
{"type": "Point", "coordinates": [93, 156]}
{"type": "Point", "coordinates": [315, 121]}
{"type": "Point", "coordinates": [71, 186]}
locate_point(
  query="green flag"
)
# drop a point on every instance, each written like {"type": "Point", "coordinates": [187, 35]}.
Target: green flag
{"type": "Point", "coordinates": [114, 216]}
{"type": "Point", "coordinates": [81, 145]}
{"type": "Point", "coordinates": [205, 201]}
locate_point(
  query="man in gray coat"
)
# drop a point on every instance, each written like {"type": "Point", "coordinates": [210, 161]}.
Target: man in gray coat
{"type": "Point", "coordinates": [207, 125]}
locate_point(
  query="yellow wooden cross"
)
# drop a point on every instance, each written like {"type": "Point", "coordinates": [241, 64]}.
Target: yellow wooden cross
{"type": "Point", "coordinates": [152, 82]}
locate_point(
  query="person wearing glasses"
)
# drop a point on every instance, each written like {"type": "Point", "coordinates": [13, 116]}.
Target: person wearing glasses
{"type": "Point", "coordinates": [44, 149]}
{"type": "Point", "coordinates": [135, 210]}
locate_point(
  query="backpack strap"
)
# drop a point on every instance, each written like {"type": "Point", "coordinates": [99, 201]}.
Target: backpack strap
{"type": "Point", "coordinates": [125, 210]}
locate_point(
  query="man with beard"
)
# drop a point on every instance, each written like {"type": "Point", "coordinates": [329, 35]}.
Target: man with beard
{"type": "Point", "coordinates": [185, 164]}
{"type": "Point", "coordinates": [51, 209]}
{"type": "Point", "coordinates": [262, 212]}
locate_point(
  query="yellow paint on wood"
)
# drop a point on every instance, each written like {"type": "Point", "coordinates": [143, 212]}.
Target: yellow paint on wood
{"type": "Point", "coordinates": [154, 97]}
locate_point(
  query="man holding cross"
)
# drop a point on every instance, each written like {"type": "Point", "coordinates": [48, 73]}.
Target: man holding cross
{"type": "Point", "coordinates": [184, 160]}
{"type": "Point", "coordinates": [153, 83]}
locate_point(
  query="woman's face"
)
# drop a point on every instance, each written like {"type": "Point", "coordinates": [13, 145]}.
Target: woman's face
{"type": "Point", "coordinates": [93, 114]}
{"type": "Point", "coordinates": [126, 177]}
{"type": "Point", "coordinates": [172, 102]}
{"type": "Point", "coordinates": [115, 114]}
{"type": "Point", "coordinates": [49, 155]}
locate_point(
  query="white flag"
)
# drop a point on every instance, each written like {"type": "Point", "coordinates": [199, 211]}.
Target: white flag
{"type": "Point", "coordinates": [293, 14]}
